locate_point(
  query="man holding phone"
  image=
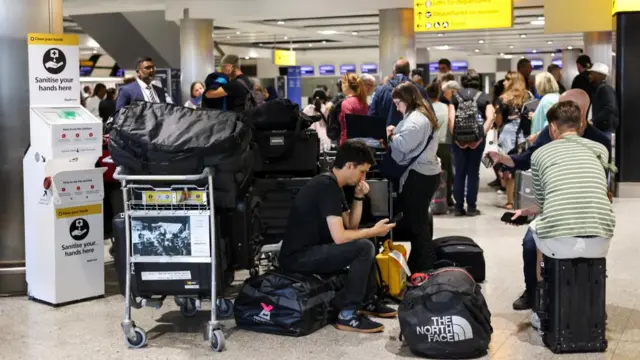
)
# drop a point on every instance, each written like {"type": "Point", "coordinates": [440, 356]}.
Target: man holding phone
{"type": "Point", "coordinates": [323, 237]}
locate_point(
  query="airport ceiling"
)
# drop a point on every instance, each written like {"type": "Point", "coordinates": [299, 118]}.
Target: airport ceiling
{"type": "Point", "coordinates": [335, 24]}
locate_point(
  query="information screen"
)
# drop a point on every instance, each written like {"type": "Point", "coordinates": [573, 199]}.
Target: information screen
{"type": "Point", "coordinates": [86, 70]}
{"type": "Point", "coordinates": [459, 66]}
{"type": "Point", "coordinates": [369, 68]}
{"type": "Point", "coordinates": [557, 62]}
{"type": "Point", "coordinates": [537, 64]}
{"type": "Point", "coordinates": [347, 68]}
{"type": "Point", "coordinates": [433, 67]}
{"type": "Point", "coordinates": [307, 70]}
{"type": "Point", "coordinates": [327, 69]}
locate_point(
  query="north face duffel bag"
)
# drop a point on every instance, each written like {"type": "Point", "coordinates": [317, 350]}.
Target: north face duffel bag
{"type": "Point", "coordinates": [446, 317]}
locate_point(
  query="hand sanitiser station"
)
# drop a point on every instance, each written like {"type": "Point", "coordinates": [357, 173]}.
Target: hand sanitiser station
{"type": "Point", "coordinates": [63, 190]}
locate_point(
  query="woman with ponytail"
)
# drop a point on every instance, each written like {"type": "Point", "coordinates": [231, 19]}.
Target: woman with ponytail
{"type": "Point", "coordinates": [354, 103]}
{"type": "Point", "coordinates": [318, 108]}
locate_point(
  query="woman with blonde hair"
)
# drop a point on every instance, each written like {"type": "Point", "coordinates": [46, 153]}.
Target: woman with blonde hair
{"type": "Point", "coordinates": [355, 101]}
{"type": "Point", "coordinates": [548, 89]}
{"type": "Point", "coordinates": [508, 109]}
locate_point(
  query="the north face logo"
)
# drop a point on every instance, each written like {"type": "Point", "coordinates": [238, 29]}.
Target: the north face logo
{"type": "Point", "coordinates": [446, 329]}
{"type": "Point", "coordinates": [265, 314]}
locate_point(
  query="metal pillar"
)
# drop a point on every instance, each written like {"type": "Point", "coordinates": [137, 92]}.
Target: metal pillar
{"type": "Point", "coordinates": [196, 51]}
{"type": "Point", "coordinates": [397, 39]}
{"type": "Point", "coordinates": [569, 68]}
{"type": "Point", "coordinates": [17, 18]}
{"type": "Point", "coordinates": [599, 47]}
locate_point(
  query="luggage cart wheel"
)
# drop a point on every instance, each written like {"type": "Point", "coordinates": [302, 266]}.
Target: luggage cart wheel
{"type": "Point", "coordinates": [139, 341]}
{"type": "Point", "coordinates": [224, 308]}
{"type": "Point", "coordinates": [217, 341]}
{"type": "Point", "coordinates": [188, 307]}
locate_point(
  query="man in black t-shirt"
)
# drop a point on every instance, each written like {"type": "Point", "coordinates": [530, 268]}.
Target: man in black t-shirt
{"type": "Point", "coordinates": [237, 90]}
{"type": "Point", "coordinates": [322, 237]}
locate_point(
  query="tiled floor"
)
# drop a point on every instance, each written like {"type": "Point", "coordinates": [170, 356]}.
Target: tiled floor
{"type": "Point", "coordinates": [92, 330]}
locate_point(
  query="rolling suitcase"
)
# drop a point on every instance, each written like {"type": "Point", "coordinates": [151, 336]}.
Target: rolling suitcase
{"type": "Point", "coordinates": [289, 152]}
{"type": "Point", "coordinates": [525, 195]}
{"type": "Point", "coordinates": [571, 305]}
{"type": "Point", "coordinates": [463, 252]}
{"type": "Point", "coordinates": [242, 228]}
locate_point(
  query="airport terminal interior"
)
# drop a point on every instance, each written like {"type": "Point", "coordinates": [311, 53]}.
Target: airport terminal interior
{"type": "Point", "coordinates": [87, 220]}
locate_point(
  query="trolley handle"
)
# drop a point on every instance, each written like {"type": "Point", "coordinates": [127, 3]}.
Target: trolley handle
{"type": "Point", "coordinates": [119, 175]}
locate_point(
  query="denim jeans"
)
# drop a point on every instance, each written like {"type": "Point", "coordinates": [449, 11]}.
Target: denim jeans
{"type": "Point", "coordinates": [328, 259]}
{"type": "Point", "coordinates": [467, 172]}
{"type": "Point", "coordinates": [529, 259]}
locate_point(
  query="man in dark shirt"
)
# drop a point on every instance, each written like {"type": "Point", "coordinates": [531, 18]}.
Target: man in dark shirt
{"type": "Point", "coordinates": [238, 90]}
{"type": "Point", "coordinates": [322, 237]}
{"type": "Point", "coordinates": [214, 81]}
{"type": "Point", "coordinates": [581, 81]}
{"type": "Point", "coordinates": [605, 115]}
{"type": "Point", "coordinates": [523, 162]}
{"type": "Point", "coordinates": [556, 71]}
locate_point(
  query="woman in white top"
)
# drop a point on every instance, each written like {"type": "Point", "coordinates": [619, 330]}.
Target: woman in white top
{"type": "Point", "coordinates": [318, 108]}
{"type": "Point", "coordinates": [197, 89]}
{"type": "Point", "coordinates": [416, 137]}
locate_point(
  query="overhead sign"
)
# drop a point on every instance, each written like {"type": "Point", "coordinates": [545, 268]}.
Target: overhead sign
{"type": "Point", "coordinates": [54, 69]}
{"type": "Point", "coordinates": [284, 58]}
{"type": "Point", "coordinates": [444, 15]}
{"type": "Point", "coordinates": [369, 68]}
{"type": "Point", "coordinates": [347, 68]}
{"type": "Point", "coordinates": [625, 6]}
{"type": "Point", "coordinates": [327, 69]}
{"type": "Point", "coordinates": [307, 70]}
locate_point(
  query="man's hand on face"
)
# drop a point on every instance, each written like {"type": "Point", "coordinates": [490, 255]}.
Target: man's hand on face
{"type": "Point", "coordinates": [362, 189]}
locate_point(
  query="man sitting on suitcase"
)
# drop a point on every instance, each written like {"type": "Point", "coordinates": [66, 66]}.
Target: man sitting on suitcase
{"type": "Point", "coordinates": [576, 219]}
{"type": "Point", "coordinates": [322, 237]}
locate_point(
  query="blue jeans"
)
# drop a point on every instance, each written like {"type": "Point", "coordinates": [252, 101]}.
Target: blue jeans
{"type": "Point", "coordinates": [467, 172]}
{"type": "Point", "coordinates": [529, 259]}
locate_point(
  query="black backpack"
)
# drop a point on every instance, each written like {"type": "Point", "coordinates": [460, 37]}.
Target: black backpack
{"type": "Point", "coordinates": [466, 129]}
{"type": "Point", "coordinates": [446, 317]}
{"type": "Point", "coordinates": [333, 121]}
{"type": "Point", "coordinates": [250, 100]}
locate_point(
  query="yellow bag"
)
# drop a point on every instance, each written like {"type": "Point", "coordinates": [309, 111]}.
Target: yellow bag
{"type": "Point", "coordinates": [392, 262]}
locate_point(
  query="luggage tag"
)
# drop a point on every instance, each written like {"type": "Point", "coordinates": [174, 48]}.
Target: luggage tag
{"type": "Point", "coordinates": [397, 256]}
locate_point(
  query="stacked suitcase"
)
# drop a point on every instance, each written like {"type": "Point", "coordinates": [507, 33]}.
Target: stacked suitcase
{"type": "Point", "coordinates": [525, 195]}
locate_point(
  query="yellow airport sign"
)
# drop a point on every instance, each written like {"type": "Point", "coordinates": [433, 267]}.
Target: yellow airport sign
{"type": "Point", "coordinates": [625, 6]}
{"type": "Point", "coordinates": [52, 39]}
{"type": "Point", "coordinates": [284, 58]}
{"type": "Point", "coordinates": [444, 15]}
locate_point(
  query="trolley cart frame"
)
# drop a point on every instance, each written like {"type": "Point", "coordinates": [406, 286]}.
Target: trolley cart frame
{"type": "Point", "coordinates": [135, 337]}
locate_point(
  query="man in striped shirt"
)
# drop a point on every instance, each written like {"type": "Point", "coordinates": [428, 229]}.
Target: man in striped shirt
{"type": "Point", "coordinates": [576, 219]}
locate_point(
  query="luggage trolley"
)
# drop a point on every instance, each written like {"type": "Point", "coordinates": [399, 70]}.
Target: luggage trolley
{"type": "Point", "coordinates": [149, 204]}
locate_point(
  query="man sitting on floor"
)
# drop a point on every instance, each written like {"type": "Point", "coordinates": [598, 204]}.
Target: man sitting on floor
{"type": "Point", "coordinates": [576, 219]}
{"type": "Point", "coordinates": [322, 237]}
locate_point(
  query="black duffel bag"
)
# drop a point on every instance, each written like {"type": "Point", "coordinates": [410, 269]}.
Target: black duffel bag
{"type": "Point", "coordinates": [279, 114]}
{"type": "Point", "coordinates": [446, 317]}
{"type": "Point", "coordinates": [286, 304]}
{"type": "Point", "coordinates": [165, 139]}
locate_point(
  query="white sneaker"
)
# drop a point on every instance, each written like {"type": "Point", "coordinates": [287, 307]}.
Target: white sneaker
{"type": "Point", "coordinates": [535, 322]}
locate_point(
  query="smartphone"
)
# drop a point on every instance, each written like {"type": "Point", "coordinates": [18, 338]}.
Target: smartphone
{"type": "Point", "coordinates": [397, 218]}
{"type": "Point", "coordinates": [520, 220]}
{"type": "Point", "coordinates": [487, 161]}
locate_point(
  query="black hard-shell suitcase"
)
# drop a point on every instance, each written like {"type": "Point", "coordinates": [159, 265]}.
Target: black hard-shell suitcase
{"type": "Point", "coordinates": [276, 199]}
{"type": "Point", "coordinates": [199, 285]}
{"type": "Point", "coordinates": [571, 303]}
{"type": "Point", "coordinates": [463, 252]}
{"type": "Point", "coordinates": [242, 228]}
{"type": "Point", "coordinates": [288, 152]}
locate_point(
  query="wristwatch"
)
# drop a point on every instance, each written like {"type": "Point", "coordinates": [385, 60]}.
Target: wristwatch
{"type": "Point", "coordinates": [355, 198]}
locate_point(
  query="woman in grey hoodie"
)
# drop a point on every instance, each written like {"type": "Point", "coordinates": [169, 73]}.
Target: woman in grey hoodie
{"type": "Point", "coordinates": [413, 138]}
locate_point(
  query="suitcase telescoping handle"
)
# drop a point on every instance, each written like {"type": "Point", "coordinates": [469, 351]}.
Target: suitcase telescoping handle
{"type": "Point", "coordinates": [120, 175]}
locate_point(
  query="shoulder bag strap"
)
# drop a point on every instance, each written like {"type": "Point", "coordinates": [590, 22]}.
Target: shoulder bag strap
{"type": "Point", "coordinates": [607, 166]}
{"type": "Point", "coordinates": [423, 149]}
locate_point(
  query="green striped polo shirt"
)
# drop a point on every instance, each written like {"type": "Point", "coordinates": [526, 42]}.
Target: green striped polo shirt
{"type": "Point", "coordinates": [571, 189]}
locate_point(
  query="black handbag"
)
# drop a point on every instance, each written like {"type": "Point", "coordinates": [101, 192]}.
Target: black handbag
{"type": "Point", "coordinates": [390, 169]}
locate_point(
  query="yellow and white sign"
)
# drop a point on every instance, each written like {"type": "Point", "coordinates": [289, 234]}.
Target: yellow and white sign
{"type": "Point", "coordinates": [444, 15]}
{"type": "Point", "coordinates": [625, 6]}
{"type": "Point", "coordinates": [284, 58]}
{"type": "Point", "coordinates": [54, 69]}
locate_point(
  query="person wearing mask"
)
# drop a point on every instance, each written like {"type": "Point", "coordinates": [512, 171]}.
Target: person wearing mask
{"type": "Point", "coordinates": [382, 102]}
{"type": "Point", "coordinates": [323, 237]}
{"type": "Point", "coordinates": [522, 162]}
{"type": "Point", "coordinates": [467, 156]}
{"type": "Point", "coordinates": [355, 101]}
{"type": "Point", "coordinates": [318, 108]}
{"type": "Point", "coordinates": [369, 83]}
{"type": "Point", "coordinates": [238, 91]}
{"type": "Point", "coordinates": [93, 102]}
{"type": "Point", "coordinates": [416, 137]}
{"type": "Point", "coordinates": [107, 106]}
{"type": "Point", "coordinates": [508, 111]}
{"type": "Point", "coordinates": [581, 81]}
{"type": "Point", "coordinates": [574, 216]}
{"type": "Point", "coordinates": [444, 138]}
{"type": "Point", "coordinates": [556, 71]}
{"type": "Point", "coordinates": [197, 89]}
{"type": "Point", "coordinates": [549, 90]}
{"type": "Point", "coordinates": [142, 89]}
{"type": "Point", "coordinates": [605, 114]}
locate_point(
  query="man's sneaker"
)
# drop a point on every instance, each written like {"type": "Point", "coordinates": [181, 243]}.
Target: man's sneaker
{"type": "Point", "coordinates": [459, 212]}
{"type": "Point", "coordinates": [473, 212]}
{"type": "Point", "coordinates": [522, 303]}
{"type": "Point", "coordinates": [359, 323]}
{"type": "Point", "coordinates": [380, 310]}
